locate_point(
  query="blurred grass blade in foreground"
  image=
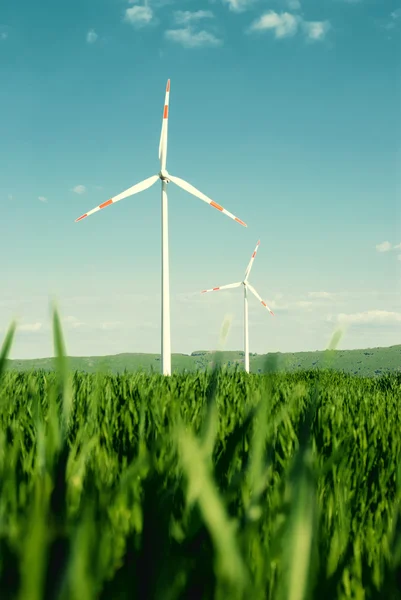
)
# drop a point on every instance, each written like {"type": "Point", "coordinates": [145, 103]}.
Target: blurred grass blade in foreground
{"type": "Point", "coordinates": [6, 347]}
{"type": "Point", "coordinates": [62, 366]}
{"type": "Point", "coordinates": [202, 489]}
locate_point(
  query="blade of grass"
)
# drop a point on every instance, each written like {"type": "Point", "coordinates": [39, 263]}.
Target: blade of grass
{"type": "Point", "coordinates": [202, 489]}
{"type": "Point", "coordinates": [62, 366]}
{"type": "Point", "coordinates": [6, 347]}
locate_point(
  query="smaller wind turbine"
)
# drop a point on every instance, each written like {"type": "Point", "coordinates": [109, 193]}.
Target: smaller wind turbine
{"type": "Point", "coordinates": [247, 286]}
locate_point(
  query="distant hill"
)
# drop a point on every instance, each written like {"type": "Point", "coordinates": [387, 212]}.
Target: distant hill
{"type": "Point", "coordinates": [367, 362]}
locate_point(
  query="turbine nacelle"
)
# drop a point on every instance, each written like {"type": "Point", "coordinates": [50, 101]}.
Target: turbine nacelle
{"type": "Point", "coordinates": [164, 176]}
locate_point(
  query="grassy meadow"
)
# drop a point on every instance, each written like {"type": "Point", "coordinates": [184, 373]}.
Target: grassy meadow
{"type": "Point", "coordinates": [211, 484]}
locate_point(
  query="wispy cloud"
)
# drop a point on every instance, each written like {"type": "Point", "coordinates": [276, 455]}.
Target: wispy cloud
{"type": "Point", "coordinates": [192, 39]}
{"type": "Point", "coordinates": [91, 36]}
{"type": "Point", "coordinates": [383, 247]}
{"type": "Point", "coordinates": [315, 30]}
{"type": "Point", "coordinates": [293, 4]}
{"type": "Point", "coordinates": [30, 327]}
{"type": "Point", "coordinates": [283, 25]}
{"type": "Point", "coordinates": [303, 303]}
{"type": "Point", "coordinates": [79, 189]}
{"type": "Point", "coordinates": [139, 16]}
{"type": "Point", "coordinates": [10, 197]}
{"type": "Point", "coordinates": [72, 322]}
{"type": "Point", "coordinates": [110, 325]}
{"type": "Point", "coordinates": [310, 301]}
{"type": "Point", "coordinates": [4, 32]}
{"type": "Point", "coordinates": [286, 24]}
{"type": "Point", "coordinates": [392, 21]}
{"type": "Point", "coordinates": [368, 317]}
{"type": "Point", "coordinates": [239, 5]}
{"type": "Point", "coordinates": [309, 305]}
{"type": "Point", "coordinates": [184, 17]}
{"type": "Point", "coordinates": [320, 295]}
{"type": "Point", "coordinates": [387, 246]}
{"type": "Point", "coordinates": [156, 3]}
{"type": "Point", "coordinates": [42, 198]}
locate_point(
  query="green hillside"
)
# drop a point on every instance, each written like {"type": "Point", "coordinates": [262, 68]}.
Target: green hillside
{"type": "Point", "coordinates": [365, 362]}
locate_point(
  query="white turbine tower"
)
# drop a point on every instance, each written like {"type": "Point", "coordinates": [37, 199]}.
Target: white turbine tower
{"type": "Point", "coordinates": [165, 178]}
{"type": "Point", "coordinates": [247, 286]}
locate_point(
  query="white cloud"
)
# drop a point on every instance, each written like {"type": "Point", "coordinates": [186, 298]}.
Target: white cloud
{"type": "Point", "coordinates": [319, 295]}
{"type": "Point", "coordinates": [155, 3]}
{"type": "Point", "coordinates": [191, 39]}
{"type": "Point", "coordinates": [289, 303]}
{"type": "Point", "coordinates": [42, 198]}
{"type": "Point", "coordinates": [183, 17]}
{"type": "Point", "coordinates": [294, 4]}
{"type": "Point", "coordinates": [110, 325]}
{"type": "Point", "coordinates": [239, 5]}
{"type": "Point", "coordinates": [72, 321]}
{"type": "Point", "coordinates": [303, 304]}
{"type": "Point", "coordinates": [10, 197]}
{"type": "Point", "coordinates": [387, 246]}
{"type": "Point", "coordinates": [3, 36]}
{"type": "Point", "coordinates": [316, 30]}
{"type": "Point", "coordinates": [286, 24]}
{"type": "Point", "coordinates": [369, 316]}
{"type": "Point", "coordinates": [392, 22]}
{"type": "Point", "coordinates": [91, 36]}
{"type": "Point", "coordinates": [30, 327]}
{"type": "Point", "coordinates": [399, 257]}
{"type": "Point", "coordinates": [79, 189]}
{"type": "Point", "coordinates": [138, 15]}
{"type": "Point", "coordinates": [383, 247]}
{"type": "Point", "coordinates": [295, 328]}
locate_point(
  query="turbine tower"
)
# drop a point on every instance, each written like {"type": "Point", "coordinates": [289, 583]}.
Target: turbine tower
{"type": "Point", "coordinates": [247, 286]}
{"type": "Point", "coordinates": [165, 178]}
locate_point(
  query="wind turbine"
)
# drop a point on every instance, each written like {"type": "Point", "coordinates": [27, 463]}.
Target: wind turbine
{"type": "Point", "coordinates": [247, 286]}
{"type": "Point", "coordinates": [165, 178]}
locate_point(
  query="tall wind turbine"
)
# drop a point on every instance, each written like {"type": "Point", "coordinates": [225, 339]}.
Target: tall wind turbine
{"type": "Point", "coordinates": [165, 178]}
{"type": "Point", "coordinates": [247, 286]}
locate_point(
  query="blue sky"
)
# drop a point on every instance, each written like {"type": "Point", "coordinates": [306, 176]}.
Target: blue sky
{"type": "Point", "coordinates": [284, 112]}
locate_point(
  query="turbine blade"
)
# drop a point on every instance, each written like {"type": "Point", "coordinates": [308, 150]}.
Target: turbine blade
{"type": "Point", "coordinates": [249, 267]}
{"type": "Point", "coordinates": [192, 190]}
{"type": "Point", "coordinates": [222, 287]}
{"type": "Point", "coordinates": [163, 133]}
{"type": "Point", "coordinates": [139, 187]}
{"type": "Point", "coordinates": [255, 293]}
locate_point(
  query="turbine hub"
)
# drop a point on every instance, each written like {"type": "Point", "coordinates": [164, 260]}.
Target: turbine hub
{"type": "Point", "coordinates": [164, 175]}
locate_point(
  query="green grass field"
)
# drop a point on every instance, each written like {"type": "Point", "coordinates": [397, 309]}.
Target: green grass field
{"type": "Point", "coordinates": [366, 362]}
{"type": "Point", "coordinates": [205, 485]}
